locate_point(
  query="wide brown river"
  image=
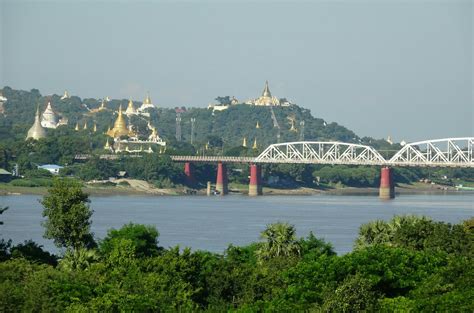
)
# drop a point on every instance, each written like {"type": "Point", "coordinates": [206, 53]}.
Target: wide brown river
{"type": "Point", "coordinates": [212, 223]}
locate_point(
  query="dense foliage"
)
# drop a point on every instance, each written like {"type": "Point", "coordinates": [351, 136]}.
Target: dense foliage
{"type": "Point", "coordinates": [406, 264]}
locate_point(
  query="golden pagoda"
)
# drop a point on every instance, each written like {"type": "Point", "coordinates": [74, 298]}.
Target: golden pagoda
{"type": "Point", "coordinates": [85, 125]}
{"type": "Point", "coordinates": [255, 144]}
{"type": "Point", "coordinates": [257, 126]}
{"type": "Point", "coordinates": [36, 131]}
{"type": "Point", "coordinates": [120, 127]}
{"type": "Point", "coordinates": [244, 142]}
{"type": "Point", "coordinates": [267, 99]}
{"type": "Point", "coordinates": [130, 108]}
{"type": "Point", "coordinates": [77, 127]}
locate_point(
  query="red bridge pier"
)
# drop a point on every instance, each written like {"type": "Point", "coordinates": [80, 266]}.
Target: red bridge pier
{"type": "Point", "coordinates": [387, 187]}
{"type": "Point", "coordinates": [189, 173]}
{"type": "Point", "coordinates": [221, 181]}
{"type": "Point", "coordinates": [255, 185]}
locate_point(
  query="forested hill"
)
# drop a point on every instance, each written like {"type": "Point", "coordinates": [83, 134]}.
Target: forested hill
{"type": "Point", "coordinates": [220, 128]}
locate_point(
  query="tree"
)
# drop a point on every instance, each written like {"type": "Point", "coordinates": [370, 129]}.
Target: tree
{"type": "Point", "coordinates": [353, 295]}
{"type": "Point", "coordinates": [144, 239]}
{"type": "Point", "coordinates": [67, 215]}
{"type": "Point", "coordinates": [280, 240]}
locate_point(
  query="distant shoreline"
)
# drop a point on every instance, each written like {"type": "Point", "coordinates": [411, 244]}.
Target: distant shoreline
{"type": "Point", "coordinates": [6, 190]}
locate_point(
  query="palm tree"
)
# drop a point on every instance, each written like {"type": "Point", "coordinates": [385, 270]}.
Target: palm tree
{"type": "Point", "coordinates": [381, 232]}
{"type": "Point", "coordinates": [78, 259]}
{"type": "Point", "coordinates": [280, 240]}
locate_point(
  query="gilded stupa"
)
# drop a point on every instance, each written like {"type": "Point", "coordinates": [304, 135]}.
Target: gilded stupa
{"type": "Point", "coordinates": [130, 108]}
{"type": "Point", "coordinates": [147, 104]}
{"type": "Point", "coordinates": [120, 127]}
{"type": "Point", "coordinates": [255, 146]}
{"type": "Point", "coordinates": [36, 131]}
{"type": "Point", "coordinates": [266, 99]}
{"type": "Point", "coordinates": [244, 142]}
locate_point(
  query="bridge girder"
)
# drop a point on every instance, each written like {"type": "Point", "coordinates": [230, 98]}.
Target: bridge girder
{"type": "Point", "coordinates": [446, 152]}
{"type": "Point", "coordinates": [318, 152]}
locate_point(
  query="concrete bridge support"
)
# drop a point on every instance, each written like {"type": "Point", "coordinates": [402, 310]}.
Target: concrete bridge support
{"type": "Point", "coordinates": [387, 187]}
{"type": "Point", "coordinates": [255, 185]}
{"type": "Point", "coordinates": [221, 182]}
{"type": "Point", "coordinates": [189, 173]}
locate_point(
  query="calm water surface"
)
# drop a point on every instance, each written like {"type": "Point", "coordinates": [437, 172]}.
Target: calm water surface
{"type": "Point", "coordinates": [212, 223]}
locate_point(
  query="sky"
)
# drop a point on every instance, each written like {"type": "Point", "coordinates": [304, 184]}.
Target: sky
{"type": "Point", "coordinates": [380, 68]}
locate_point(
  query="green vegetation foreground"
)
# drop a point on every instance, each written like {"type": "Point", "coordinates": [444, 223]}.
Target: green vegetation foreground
{"type": "Point", "coordinates": [406, 264]}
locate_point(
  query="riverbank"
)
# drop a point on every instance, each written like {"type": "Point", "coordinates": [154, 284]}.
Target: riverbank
{"type": "Point", "coordinates": [139, 187]}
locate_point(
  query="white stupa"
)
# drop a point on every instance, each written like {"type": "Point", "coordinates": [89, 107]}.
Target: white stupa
{"type": "Point", "coordinates": [49, 118]}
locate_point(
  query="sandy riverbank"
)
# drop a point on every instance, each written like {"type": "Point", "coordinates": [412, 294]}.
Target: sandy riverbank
{"type": "Point", "coordinates": [139, 187]}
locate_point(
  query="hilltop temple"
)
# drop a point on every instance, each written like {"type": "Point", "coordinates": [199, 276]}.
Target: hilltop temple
{"type": "Point", "coordinates": [36, 131]}
{"type": "Point", "coordinates": [132, 143]}
{"type": "Point", "coordinates": [266, 99]}
{"type": "Point", "coordinates": [147, 104]}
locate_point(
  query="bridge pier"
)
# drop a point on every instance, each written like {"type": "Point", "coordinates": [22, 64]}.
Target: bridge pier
{"type": "Point", "coordinates": [255, 185]}
{"type": "Point", "coordinates": [221, 181]}
{"type": "Point", "coordinates": [189, 173]}
{"type": "Point", "coordinates": [387, 187]}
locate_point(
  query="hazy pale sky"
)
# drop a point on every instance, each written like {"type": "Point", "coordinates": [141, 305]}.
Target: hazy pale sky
{"type": "Point", "coordinates": [399, 68]}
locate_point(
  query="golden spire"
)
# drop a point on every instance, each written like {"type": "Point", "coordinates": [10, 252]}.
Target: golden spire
{"type": "Point", "coordinates": [266, 91]}
{"type": "Point", "coordinates": [147, 99]}
{"type": "Point", "coordinates": [36, 131]}
{"type": "Point", "coordinates": [130, 107]}
{"type": "Point", "coordinates": [107, 145]}
{"type": "Point", "coordinates": [255, 144]}
{"type": "Point", "coordinates": [85, 125]}
{"type": "Point", "coordinates": [207, 145]}
{"type": "Point", "coordinates": [77, 126]}
{"type": "Point", "coordinates": [257, 126]}
{"type": "Point", "coordinates": [244, 143]}
{"type": "Point", "coordinates": [120, 126]}
{"type": "Point", "coordinates": [95, 127]}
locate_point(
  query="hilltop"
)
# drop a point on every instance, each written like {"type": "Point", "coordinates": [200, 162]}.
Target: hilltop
{"type": "Point", "coordinates": [218, 128]}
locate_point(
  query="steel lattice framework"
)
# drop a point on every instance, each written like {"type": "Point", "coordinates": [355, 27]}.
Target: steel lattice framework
{"type": "Point", "coordinates": [448, 152]}
{"type": "Point", "coordinates": [315, 152]}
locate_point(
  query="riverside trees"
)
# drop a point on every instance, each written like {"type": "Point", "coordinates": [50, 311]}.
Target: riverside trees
{"type": "Point", "coordinates": [413, 264]}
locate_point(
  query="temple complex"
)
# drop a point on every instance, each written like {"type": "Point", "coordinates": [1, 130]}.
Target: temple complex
{"type": "Point", "coordinates": [266, 99]}
{"type": "Point", "coordinates": [36, 131]}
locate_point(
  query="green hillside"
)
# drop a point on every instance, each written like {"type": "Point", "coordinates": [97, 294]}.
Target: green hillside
{"type": "Point", "coordinates": [227, 128]}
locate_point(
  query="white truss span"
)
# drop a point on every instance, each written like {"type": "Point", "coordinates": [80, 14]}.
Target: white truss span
{"type": "Point", "coordinates": [449, 152]}
{"type": "Point", "coordinates": [314, 152]}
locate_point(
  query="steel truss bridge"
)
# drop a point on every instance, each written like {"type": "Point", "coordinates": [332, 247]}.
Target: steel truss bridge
{"type": "Point", "coordinates": [448, 152]}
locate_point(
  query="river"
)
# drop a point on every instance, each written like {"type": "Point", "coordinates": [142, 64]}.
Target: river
{"type": "Point", "coordinates": [212, 223]}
